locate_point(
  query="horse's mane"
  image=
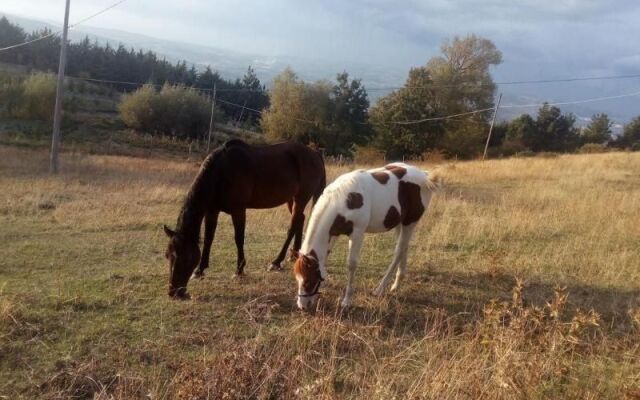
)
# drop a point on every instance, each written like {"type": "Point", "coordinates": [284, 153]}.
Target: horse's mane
{"type": "Point", "coordinates": [191, 212]}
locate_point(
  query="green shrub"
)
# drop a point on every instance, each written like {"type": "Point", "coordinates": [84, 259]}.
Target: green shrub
{"type": "Point", "coordinates": [174, 110]}
{"type": "Point", "coordinates": [136, 109]}
{"type": "Point", "coordinates": [590, 148]}
{"type": "Point", "coordinates": [464, 141]}
{"type": "Point", "coordinates": [524, 154]}
{"type": "Point", "coordinates": [39, 97]}
{"type": "Point", "coordinates": [11, 97]}
{"type": "Point", "coordinates": [512, 146]}
{"type": "Point", "coordinates": [547, 154]}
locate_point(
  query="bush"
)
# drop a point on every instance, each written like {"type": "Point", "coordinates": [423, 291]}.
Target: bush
{"type": "Point", "coordinates": [136, 109]}
{"type": "Point", "coordinates": [591, 148]}
{"type": "Point", "coordinates": [31, 98]}
{"type": "Point", "coordinates": [525, 154]}
{"type": "Point", "coordinates": [512, 146]}
{"type": "Point", "coordinates": [547, 154]}
{"type": "Point", "coordinates": [38, 97]}
{"type": "Point", "coordinates": [11, 97]}
{"type": "Point", "coordinates": [434, 156]}
{"type": "Point", "coordinates": [367, 155]}
{"type": "Point", "coordinates": [465, 141]}
{"type": "Point", "coordinates": [174, 110]}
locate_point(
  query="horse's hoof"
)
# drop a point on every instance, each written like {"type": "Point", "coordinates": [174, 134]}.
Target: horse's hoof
{"type": "Point", "coordinates": [180, 296]}
{"type": "Point", "coordinates": [274, 267]}
{"type": "Point", "coordinates": [198, 275]}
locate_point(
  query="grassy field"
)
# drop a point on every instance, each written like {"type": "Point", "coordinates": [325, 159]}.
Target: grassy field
{"type": "Point", "coordinates": [523, 282]}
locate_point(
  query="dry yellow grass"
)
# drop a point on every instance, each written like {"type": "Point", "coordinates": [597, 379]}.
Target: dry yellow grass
{"type": "Point", "coordinates": [83, 310]}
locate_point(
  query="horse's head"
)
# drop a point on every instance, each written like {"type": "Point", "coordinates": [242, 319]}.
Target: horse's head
{"type": "Point", "coordinates": [309, 277]}
{"type": "Point", "coordinates": [183, 257]}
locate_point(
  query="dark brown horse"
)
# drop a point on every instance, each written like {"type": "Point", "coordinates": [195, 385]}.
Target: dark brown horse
{"type": "Point", "coordinates": [234, 177]}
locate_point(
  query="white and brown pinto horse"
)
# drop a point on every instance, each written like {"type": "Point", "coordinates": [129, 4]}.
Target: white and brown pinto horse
{"type": "Point", "coordinates": [376, 200]}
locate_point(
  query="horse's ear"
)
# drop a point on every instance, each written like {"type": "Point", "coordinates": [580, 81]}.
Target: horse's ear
{"type": "Point", "coordinates": [168, 231]}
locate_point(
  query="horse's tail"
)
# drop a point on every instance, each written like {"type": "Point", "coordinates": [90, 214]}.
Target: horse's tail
{"type": "Point", "coordinates": [434, 181]}
{"type": "Point", "coordinates": [323, 181]}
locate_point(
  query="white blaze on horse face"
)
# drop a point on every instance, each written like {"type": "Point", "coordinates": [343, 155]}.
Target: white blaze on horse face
{"type": "Point", "coordinates": [305, 302]}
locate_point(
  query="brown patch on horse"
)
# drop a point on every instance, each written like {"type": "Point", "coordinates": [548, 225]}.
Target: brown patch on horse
{"type": "Point", "coordinates": [392, 219]}
{"type": "Point", "coordinates": [354, 200]}
{"type": "Point", "coordinates": [341, 226]}
{"type": "Point", "coordinates": [313, 254]}
{"type": "Point", "coordinates": [410, 202]}
{"type": "Point", "coordinates": [380, 176]}
{"type": "Point", "coordinates": [308, 269]}
{"type": "Point", "coordinates": [396, 170]}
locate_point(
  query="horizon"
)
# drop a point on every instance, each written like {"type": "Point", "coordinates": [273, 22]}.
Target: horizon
{"type": "Point", "coordinates": [394, 38]}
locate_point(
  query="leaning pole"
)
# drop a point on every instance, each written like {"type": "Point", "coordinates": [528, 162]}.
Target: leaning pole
{"type": "Point", "coordinates": [57, 113]}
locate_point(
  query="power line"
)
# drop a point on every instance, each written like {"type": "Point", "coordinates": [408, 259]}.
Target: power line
{"type": "Point", "coordinates": [419, 121]}
{"type": "Point", "coordinates": [523, 82]}
{"type": "Point", "coordinates": [408, 122]}
{"type": "Point", "coordinates": [60, 31]}
{"type": "Point", "coordinates": [565, 103]}
{"type": "Point", "coordinates": [124, 82]}
{"type": "Point", "coordinates": [592, 78]}
{"type": "Point", "coordinates": [98, 13]}
{"type": "Point", "coordinates": [15, 46]}
{"type": "Point", "coordinates": [262, 111]}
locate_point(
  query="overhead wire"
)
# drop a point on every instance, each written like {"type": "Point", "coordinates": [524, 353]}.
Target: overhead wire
{"type": "Point", "coordinates": [522, 82]}
{"type": "Point", "coordinates": [15, 46]}
{"type": "Point", "coordinates": [407, 122]}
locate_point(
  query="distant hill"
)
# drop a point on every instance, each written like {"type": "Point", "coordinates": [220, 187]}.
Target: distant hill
{"type": "Point", "coordinates": [520, 63]}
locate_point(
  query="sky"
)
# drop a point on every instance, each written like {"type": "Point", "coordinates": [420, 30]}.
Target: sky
{"type": "Point", "coordinates": [540, 39]}
{"type": "Point", "coordinates": [407, 32]}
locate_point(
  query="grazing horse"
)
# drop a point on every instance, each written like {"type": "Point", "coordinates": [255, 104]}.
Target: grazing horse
{"type": "Point", "coordinates": [362, 201]}
{"type": "Point", "coordinates": [234, 177]}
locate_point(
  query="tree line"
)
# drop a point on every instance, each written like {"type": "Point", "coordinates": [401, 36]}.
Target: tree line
{"type": "Point", "coordinates": [334, 115]}
{"type": "Point", "coordinates": [86, 59]}
{"type": "Point", "coordinates": [552, 131]}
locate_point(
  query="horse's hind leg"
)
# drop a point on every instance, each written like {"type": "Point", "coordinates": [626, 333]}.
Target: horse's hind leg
{"type": "Point", "coordinates": [299, 227]}
{"type": "Point", "coordinates": [296, 225]}
{"type": "Point", "coordinates": [239, 218]}
{"type": "Point", "coordinates": [384, 282]}
{"type": "Point", "coordinates": [405, 237]}
{"type": "Point", "coordinates": [210, 224]}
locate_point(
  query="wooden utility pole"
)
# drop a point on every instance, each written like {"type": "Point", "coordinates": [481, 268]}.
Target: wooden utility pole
{"type": "Point", "coordinates": [241, 113]}
{"type": "Point", "coordinates": [213, 104]}
{"type": "Point", "coordinates": [493, 121]}
{"type": "Point", "coordinates": [57, 113]}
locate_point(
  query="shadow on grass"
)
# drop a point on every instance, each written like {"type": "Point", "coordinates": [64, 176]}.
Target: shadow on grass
{"type": "Point", "coordinates": [459, 296]}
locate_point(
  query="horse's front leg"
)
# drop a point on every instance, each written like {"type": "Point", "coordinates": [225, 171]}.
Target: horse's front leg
{"type": "Point", "coordinates": [355, 244]}
{"type": "Point", "coordinates": [210, 224]}
{"type": "Point", "coordinates": [239, 218]}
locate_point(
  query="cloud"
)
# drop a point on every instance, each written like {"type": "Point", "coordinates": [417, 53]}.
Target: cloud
{"type": "Point", "coordinates": [401, 33]}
